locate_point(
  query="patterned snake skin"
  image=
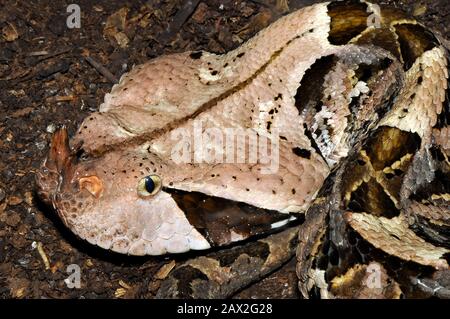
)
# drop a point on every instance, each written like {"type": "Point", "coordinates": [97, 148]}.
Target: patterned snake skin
{"type": "Point", "coordinates": [356, 97]}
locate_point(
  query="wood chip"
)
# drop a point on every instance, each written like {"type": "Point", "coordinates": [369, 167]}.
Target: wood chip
{"type": "Point", "coordinates": [123, 284]}
{"type": "Point", "coordinates": [10, 32]}
{"type": "Point", "coordinates": [29, 198]}
{"type": "Point", "coordinates": [165, 270]}
{"type": "Point", "coordinates": [120, 292]}
{"type": "Point", "coordinates": [14, 200]}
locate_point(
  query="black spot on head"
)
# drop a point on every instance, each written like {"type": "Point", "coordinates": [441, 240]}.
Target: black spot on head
{"type": "Point", "coordinates": [196, 55]}
{"type": "Point", "coordinates": [240, 55]}
{"type": "Point", "coordinates": [214, 72]}
{"type": "Point", "coordinates": [302, 152]}
{"type": "Point", "coordinates": [279, 96]}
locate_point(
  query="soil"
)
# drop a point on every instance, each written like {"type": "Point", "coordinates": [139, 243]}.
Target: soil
{"type": "Point", "coordinates": [50, 76]}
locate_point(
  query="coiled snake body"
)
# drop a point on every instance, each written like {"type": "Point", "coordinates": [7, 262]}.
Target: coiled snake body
{"type": "Point", "coordinates": [358, 96]}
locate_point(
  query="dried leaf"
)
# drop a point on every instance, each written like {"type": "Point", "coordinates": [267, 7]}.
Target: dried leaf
{"type": "Point", "coordinates": [115, 25]}
{"type": "Point", "coordinates": [10, 32]}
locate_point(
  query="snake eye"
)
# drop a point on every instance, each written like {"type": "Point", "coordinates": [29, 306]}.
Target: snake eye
{"type": "Point", "coordinates": [149, 185]}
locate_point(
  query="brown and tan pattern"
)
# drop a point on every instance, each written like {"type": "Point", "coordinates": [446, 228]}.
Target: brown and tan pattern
{"type": "Point", "coordinates": [358, 95]}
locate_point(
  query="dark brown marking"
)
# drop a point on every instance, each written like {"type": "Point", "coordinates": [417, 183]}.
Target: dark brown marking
{"type": "Point", "coordinates": [310, 91]}
{"type": "Point", "coordinates": [438, 235]}
{"type": "Point", "coordinates": [384, 38]}
{"type": "Point", "coordinates": [371, 198]}
{"type": "Point", "coordinates": [439, 185]}
{"type": "Point", "coordinates": [348, 19]}
{"type": "Point", "coordinates": [414, 41]}
{"type": "Point", "coordinates": [389, 145]}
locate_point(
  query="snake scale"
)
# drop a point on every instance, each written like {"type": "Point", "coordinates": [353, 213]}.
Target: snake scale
{"type": "Point", "coordinates": [357, 95]}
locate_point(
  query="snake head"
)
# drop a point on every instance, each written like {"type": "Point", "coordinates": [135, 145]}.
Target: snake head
{"type": "Point", "coordinates": [114, 201]}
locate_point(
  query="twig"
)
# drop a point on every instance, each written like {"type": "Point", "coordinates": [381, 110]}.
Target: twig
{"type": "Point", "coordinates": [102, 70]}
{"type": "Point", "coordinates": [179, 20]}
{"type": "Point", "coordinates": [44, 257]}
{"type": "Point", "coordinates": [52, 55]}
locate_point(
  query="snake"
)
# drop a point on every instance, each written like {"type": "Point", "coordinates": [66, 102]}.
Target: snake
{"type": "Point", "coordinates": [350, 101]}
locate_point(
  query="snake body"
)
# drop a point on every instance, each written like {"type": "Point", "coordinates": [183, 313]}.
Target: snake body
{"type": "Point", "coordinates": [358, 95]}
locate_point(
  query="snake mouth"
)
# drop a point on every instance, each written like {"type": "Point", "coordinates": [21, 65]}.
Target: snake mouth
{"type": "Point", "coordinates": [222, 221]}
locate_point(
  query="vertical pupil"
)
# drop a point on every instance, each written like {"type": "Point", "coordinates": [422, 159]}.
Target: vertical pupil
{"type": "Point", "coordinates": [149, 184]}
